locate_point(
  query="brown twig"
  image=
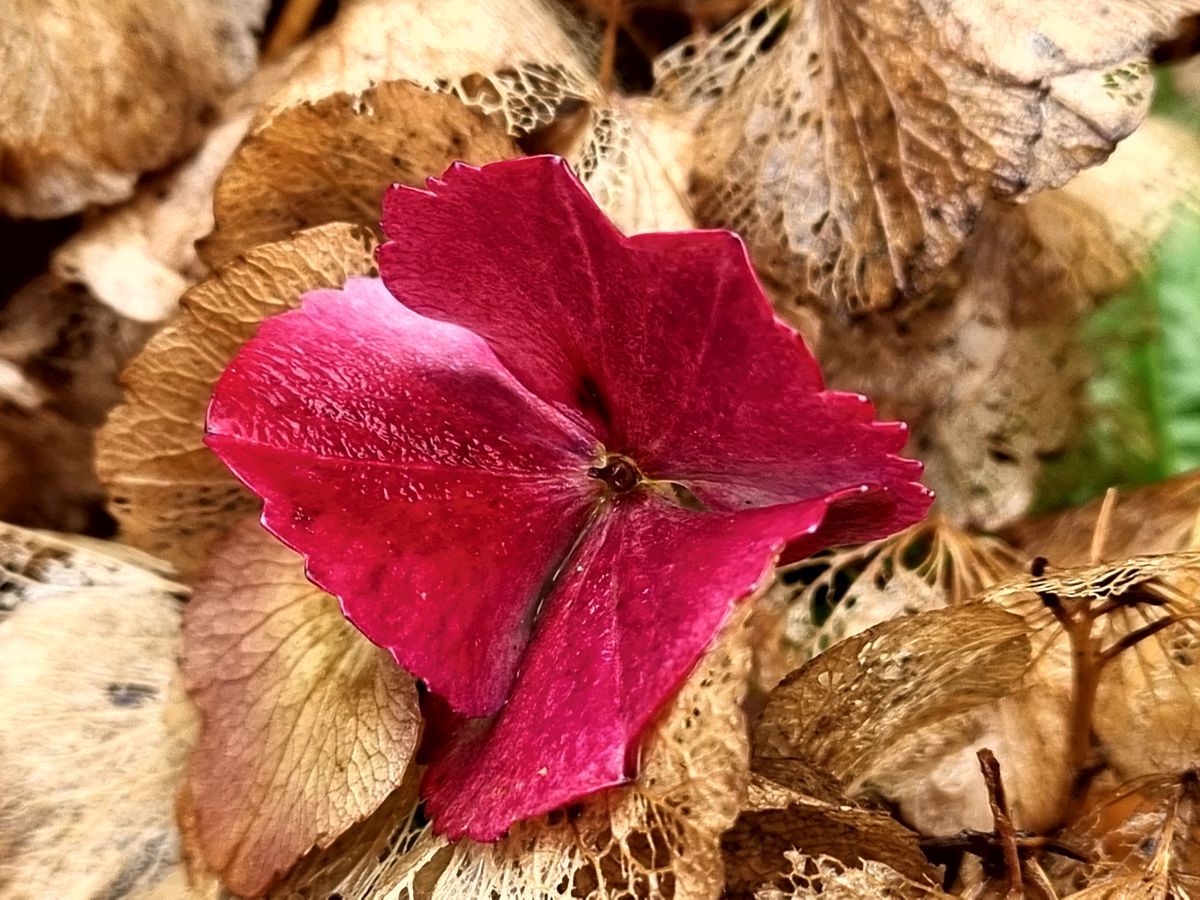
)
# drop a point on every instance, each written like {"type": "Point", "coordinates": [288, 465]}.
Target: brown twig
{"type": "Point", "coordinates": [608, 56]}
{"type": "Point", "coordinates": [1006, 834]}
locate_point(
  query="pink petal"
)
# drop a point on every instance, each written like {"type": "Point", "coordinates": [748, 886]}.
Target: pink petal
{"type": "Point", "coordinates": [636, 606]}
{"type": "Point", "coordinates": [425, 486]}
{"type": "Point", "coordinates": [665, 343]}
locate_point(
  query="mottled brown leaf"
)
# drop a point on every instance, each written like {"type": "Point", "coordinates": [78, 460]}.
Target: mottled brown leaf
{"type": "Point", "coordinates": [844, 709]}
{"type": "Point", "coordinates": [330, 160]}
{"type": "Point", "coordinates": [93, 725]}
{"type": "Point", "coordinates": [657, 837]}
{"type": "Point", "coordinates": [984, 369]}
{"type": "Point", "coordinates": [306, 726]}
{"type": "Point", "coordinates": [96, 93]}
{"type": "Point", "coordinates": [854, 142]}
{"type": "Point", "coordinates": [171, 496]}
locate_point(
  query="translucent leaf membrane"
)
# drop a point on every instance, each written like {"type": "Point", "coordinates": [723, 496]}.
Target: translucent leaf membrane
{"type": "Point", "coordinates": [842, 592]}
{"type": "Point", "coordinates": [94, 728]}
{"type": "Point", "coordinates": [170, 495]}
{"type": "Point", "coordinates": [331, 160]}
{"type": "Point", "coordinates": [854, 144]}
{"type": "Point", "coordinates": [1141, 840]}
{"type": "Point", "coordinates": [846, 709]}
{"type": "Point", "coordinates": [657, 837]}
{"type": "Point", "coordinates": [825, 876]}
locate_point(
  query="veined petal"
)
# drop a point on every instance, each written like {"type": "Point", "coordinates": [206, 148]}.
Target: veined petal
{"type": "Point", "coordinates": [426, 488]}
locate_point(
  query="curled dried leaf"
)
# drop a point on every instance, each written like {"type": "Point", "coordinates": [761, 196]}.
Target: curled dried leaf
{"type": "Point", "coordinates": [330, 160]}
{"type": "Point", "coordinates": [517, 60]}
{"type": "Point", "coordinates": [171, 496]}
{"type": "Point", "coordinates": [657, 837]}
{"type": "Point", "coordinates": [861, 139]}
{"type": "Point", "coordinates": [1155, 519]}
{"type": "Point", "coordinates": [306, 726]}
{"type": "Point", "coordinates": [93, 727]}
{"type": "Point", "coordinates": [95, 94]}
{"type": "Point", "coordinates": [845, 709]}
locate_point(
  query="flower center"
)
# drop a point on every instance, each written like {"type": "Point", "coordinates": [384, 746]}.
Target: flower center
{"type": "Point", "coordinates": [620, 473]}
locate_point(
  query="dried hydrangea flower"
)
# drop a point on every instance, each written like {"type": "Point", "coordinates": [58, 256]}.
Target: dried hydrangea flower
{"type": "Point", "coordinates": [545, 475]}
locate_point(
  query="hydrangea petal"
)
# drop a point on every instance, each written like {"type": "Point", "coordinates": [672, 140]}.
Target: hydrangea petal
{"type": "Point", "coordinates": [665, 342]}
{"type": "Point", "coordinates": [636, 605]}
{"type": "Point", "coordinates": [427, 489]}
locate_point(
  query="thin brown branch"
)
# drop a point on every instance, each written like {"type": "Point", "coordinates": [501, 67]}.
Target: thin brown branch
{"type": "Point", "coordinates": [1006, 834]}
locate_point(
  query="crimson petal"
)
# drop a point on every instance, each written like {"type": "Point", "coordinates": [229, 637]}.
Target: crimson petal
{"type": "Point", "coordinates": [637, 604]}
{"type": "Point", "coordinates": [427, 489]}
{"type": "Point", "coordinates": [664, 343]}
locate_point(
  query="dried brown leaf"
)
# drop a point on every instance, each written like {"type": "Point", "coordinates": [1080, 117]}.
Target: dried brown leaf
{"type": "Point", "coordinates": [1155, 519]}
{"type": "Point", "coordinates": [171, 496]}
{"type": "Point", "coordinates": [777, 821]}
{"type": "Point", "coordinates": [1143, 840]}
{"type": "Point", "coordinates": [845, 709]}
{"type": "Point", "coordinates": [855, 142]}
{"type": "Point", "coordinates": [821, 876]}
{"type": "Point", "coordinates": [517, 60]}
{"type": "Point", "coordinates": [656, 838]}
{"type": "Point", "coordinates": [96, 93]}
{"type": "Point", "coordinates": [330, 160]}
{"type": "Point", "coordinates": [306, 726]}
{"type": "Point", "coordinates": [984, 369]}
{"type": "Point", "coordinates": [93, 728]}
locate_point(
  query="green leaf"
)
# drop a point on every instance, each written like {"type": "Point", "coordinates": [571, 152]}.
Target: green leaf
{"type": "Point", "coordinates": [1144, 393]}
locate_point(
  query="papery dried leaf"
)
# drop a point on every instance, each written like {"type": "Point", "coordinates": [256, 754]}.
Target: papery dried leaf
{"type": "Point", "coordinates": [1143, 841]}
{"type": "Point", "coordinates": [93, 727]}
{"type": "Point", "coordinates": [170, 495]}
{"type": "Point", "coordinates": [849, 589]}
{"type": "Point", "coordinates": [828, 878]}
{"type": "Point", "coordinates": [856, 152]}
{"type": "Point", "coordinates": [774, 823]}
{"type": "Point", "coordinates": [984, 370]}
{"type": "Point", "coordinates": [330, 160]}
{"type": "Point", "coordinates": [1158, 518]}
{"type": "Point", "coordinates": [516, 60]}
{"type": "Point", "coordinates": [655, 838]}
{"type": "Point", "coordinates": [1142, 187]}
{"type": "Point", "coordinates": [96, 93]}
{"type": "Point", "coordinates": [844, 709]}
{"type": "Point", "coordinates": [307, 727]}
{"type": "Point", "coordinates": [139, 258]}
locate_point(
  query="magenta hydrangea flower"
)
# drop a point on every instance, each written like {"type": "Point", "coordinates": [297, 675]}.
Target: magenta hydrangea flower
{"type": "Point", "coordinates": [542, 464]}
